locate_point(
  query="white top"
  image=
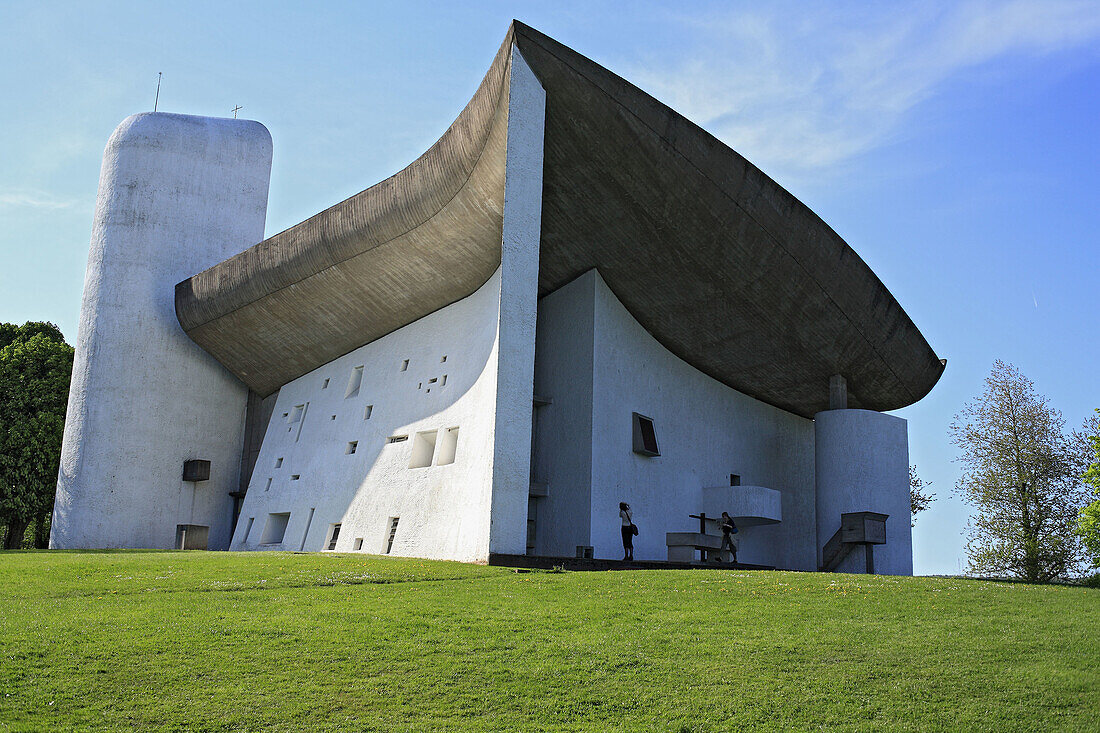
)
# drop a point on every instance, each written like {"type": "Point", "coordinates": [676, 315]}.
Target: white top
{"type": "Point", "coordinates": [624, 514]}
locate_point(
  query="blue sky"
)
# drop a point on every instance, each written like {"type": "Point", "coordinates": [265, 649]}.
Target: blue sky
{"type": "Point", "coordinates": [953, 145]}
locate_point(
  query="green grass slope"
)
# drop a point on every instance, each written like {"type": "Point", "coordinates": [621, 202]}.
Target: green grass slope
{"type": "Point", "coordinates": [323, 642]}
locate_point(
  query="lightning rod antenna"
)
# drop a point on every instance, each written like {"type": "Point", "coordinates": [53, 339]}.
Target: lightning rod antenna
{"type": "Point", "coordinates": [157, 100]}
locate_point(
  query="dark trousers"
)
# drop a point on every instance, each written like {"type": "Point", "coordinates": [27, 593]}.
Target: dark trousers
{"type": "Point", "coordinates": [628, 538]}
{"type": "Point", "coordinates": [727, 541]}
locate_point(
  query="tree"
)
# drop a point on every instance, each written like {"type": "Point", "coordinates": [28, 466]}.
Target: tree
{"type": "Point", "coordinates": [1088, 520]}
{"type": "Point", "coordinates": [35, 367]}
{"type": "Point", "coordinates": [1021, 472]}
{"type": "Point", "coordinates": [918, 500]}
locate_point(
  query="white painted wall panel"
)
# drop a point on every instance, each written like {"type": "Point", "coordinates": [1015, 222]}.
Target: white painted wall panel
{"type": "Point", "coordinates": [177, 194]}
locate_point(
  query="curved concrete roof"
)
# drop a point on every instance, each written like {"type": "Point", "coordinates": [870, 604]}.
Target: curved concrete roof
{"type": "Point", "coordinates": [725, 268]}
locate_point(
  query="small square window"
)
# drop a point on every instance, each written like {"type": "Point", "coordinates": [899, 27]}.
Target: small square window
{"type": "Point", "coordinates": [443, 360]}
{"type": "Point", "coordinates": [333, 417]}
{"type": "Point", "coordinates": [367, 412]}
{"type": "Point", "coordinates": [351, 447]}
{"type": "Point", "coordinates": [278, 463]}
{"type": "Point", "coordinates": [423, 449]}
{"type": "Point", "coordinates": [645, 437]}
{"type": "Point", "coordinates": [275, 528]}
{"type": "Point", "coordinates": [405, 365]}
{"type": "Point", "coordinates": [296, 413]}
{"type": "Point", "coordinates": [295, 476]}
{"type": "Point", "coordinates": [735, 480]}
{"type": "Point", "coordinates": [333, 535]}
{"type": "Point", "coordinates": [358, 544]}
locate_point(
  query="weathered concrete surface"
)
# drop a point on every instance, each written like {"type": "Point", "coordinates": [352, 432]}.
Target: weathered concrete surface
{"type": "Point", "coordinates": [722, 266]}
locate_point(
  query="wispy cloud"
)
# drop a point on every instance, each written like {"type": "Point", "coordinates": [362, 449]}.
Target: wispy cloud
{"type": "Point", "coordinates": [801, 89]}
{"type": "Point", "coordinates": [33, 200]}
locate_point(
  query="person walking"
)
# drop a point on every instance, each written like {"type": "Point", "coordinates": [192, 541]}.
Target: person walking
{"type": "Point", "coordinates": [628, 529]}
{"type": "Point", "coordinates": [728, 530]}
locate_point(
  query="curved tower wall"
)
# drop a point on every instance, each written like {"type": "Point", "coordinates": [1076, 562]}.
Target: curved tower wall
{"type": "Point", "coordinates": [862, 464]}
{"type": "Point", "coordinates": [177, 194]}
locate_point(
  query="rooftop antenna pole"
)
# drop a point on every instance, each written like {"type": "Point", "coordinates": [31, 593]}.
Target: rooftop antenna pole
{"type": "Point", "coordinates": [238, 107]}
{"type": "Point", "coordinates": [157, 100]}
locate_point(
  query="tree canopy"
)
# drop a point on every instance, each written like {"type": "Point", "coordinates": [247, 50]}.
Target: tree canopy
{"type": "Point", "coordinates": [1022, 473]}
{"type": "Point", "coordinates": [1088, 521]}
{"type": "Point", "coordinates": [35, 367]}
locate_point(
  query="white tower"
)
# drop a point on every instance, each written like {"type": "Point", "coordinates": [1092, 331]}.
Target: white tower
{"type": "Point", "coordinates": [177, 194]}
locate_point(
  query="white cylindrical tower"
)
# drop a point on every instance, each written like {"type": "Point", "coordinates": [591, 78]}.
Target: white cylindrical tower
{"type": "Point", "coordinates": [862, 465]}
{"type": "Point", "coordinates": [177, 194]}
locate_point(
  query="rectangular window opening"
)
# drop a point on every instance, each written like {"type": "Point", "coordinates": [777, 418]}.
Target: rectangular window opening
{"type": "Point", "coordinates": [354, 383]}
{"type": "Point", "coordinates": [423, 449]}
{"type": "Point", "coordinates": [443, 383]}
{"type": "Point", "coordinates": [325, 384]}
{"type": "Point", "coordinates": [275, 528]}
{"type": "Point", "coordinates": [358, 544]}
{"type": "Point", "coordinates": [448, 446]}
{"type": "Point", "coordinates": [397, 439]}
{"type": "Point", "coordinates": [333, 535]}
{"type": "Point", "coordinates": [352, 445]}
{"type": "Point", "coordinates": [296, 413]}
{"type": "Point", "coordinates": [645, 437]}
{"type": "Point", "coordinates": [392, 533]}
{"type": "Point", "coordinates": [278, 462]}
{"type": "Point", "coordinates": [248, 529]}
{"type": "Point", "coordinates": [405, 365]}
{"type": "Point", "coordinates": [333, 417]}
{"type": "Point", "coordinates": [268, 487]}
{"type": "Point", "coordinates": [367, 412]}
{"type": "Point", "coordinates": [735, 480]}
{"type": "Point", "coordinates": [295, 476]}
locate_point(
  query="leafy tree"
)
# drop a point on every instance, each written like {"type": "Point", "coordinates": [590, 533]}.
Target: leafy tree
{"type": "Point", "coordinates": [1088, 520]}
{"type": "Point", "coordinates": [918, 499]}
{"type": "Point", "coordinates": [1021, 472]}
{"type": "Point", "coordinates": [35, 367]}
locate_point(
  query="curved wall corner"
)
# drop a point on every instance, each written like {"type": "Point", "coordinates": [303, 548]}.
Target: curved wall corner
{"type": "Point", "coordinates": [177, 194]}
{"type": "Point", "coordinates": [862, 464]}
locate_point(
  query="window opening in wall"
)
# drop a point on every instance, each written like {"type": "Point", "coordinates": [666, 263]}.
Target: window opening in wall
{"type": "Point", "coordinates": [268, 487]}
{"type": "Point", "coordinates": [358, 544]}
{"type": "Point", "coordinates": [309, 523]}
{"type": "Point", "coordinates": [248, 529]}
{"type": "Point", "coordinates": [397, 439]}
{"type": "Point", "coordinates": [645, 437]}
{"type": "Point", "coordinates": [278, 462]}
{"type": "Point", "coordinates": [444, 382]}
{"type": "Point", "coordinates": [423, 449]}
{"type": "Point", "coordinates": [448, 446]}
{"type": "Point", "coordinates": [392, 533]}
{"type": "Point", "coordinates": [333, 417]}
{"type": "Point", "coordinates": [333, 535]}
{"type": "Point", "coordinates": [285, 414]}
{"type": "Point", "coordinates": [420, 385]}
{"type": "Point", "coordinates": [443, 360]}
{"type": "Point", "coordinates": [405, 365]}
{"type": "Point", "coordinates": [433, 380]}
{"type": "Point", "coordinates": [354, 382]}
{"type": "Point", "coordinates": [325, 384]}
{"type": "Point", "coordinates": [352, 445]}
{"type": "Point", "coordinates": [296, 413]}
{"type": "Point", "coordinates": [735, 480]}
{"type": "Point", "coordinates": [299, 417]}
{"type": "Point", "coordinates": [275, 528]}
{"type": "Point", "coordinates": [295, 476]}
{"type": "Point", "coordinates": [367, 412]}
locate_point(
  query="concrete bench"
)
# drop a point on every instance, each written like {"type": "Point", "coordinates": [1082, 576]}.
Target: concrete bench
{"type": "Point", "coordinates": [682, 547]}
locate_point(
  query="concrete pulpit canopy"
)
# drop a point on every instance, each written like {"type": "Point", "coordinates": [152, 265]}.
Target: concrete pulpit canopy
{"type": "Point", "coordinates": [721, 265]}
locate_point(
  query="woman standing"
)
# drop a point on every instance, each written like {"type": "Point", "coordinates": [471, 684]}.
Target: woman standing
{"type": "Point", "coordinates": [628, 530]}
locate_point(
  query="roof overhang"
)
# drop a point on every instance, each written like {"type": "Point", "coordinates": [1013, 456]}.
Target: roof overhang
{"type": "Point", "coordinates": [720, 264]}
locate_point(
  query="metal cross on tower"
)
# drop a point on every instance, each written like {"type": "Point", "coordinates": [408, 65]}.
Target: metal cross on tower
{"type": "Point", "coordinates": [238, 107]}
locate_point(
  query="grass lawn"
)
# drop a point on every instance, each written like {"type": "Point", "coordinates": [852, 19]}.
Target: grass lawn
{"type": "Point", "coordinates": [319, 642]}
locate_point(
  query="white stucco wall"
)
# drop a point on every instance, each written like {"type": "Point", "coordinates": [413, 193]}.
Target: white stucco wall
{"type": "Point", "coordinates": [563, 437]}
{"type": "Point", "coordinates": [444, 510]}
{"type": "Point", "coordinates": [177, 194]}
{"type": "Point", "coordinates": [863, 465]}
{"type": "Point", "coordinates": [705, 431]}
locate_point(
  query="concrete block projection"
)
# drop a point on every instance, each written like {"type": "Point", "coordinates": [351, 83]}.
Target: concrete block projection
{"type": "Point", "coordinates": [576, 297]}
